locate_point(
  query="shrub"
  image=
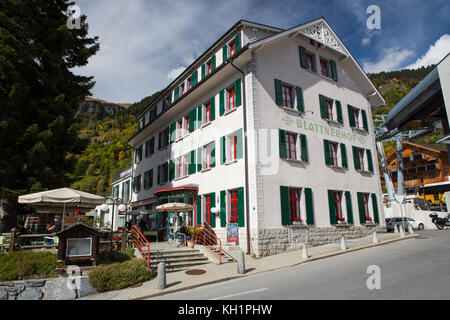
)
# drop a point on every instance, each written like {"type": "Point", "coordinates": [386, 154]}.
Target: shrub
{"type": "Point", "coordinates": [27, 265]}
{"type": "Point", "coordinates": [119, 275]}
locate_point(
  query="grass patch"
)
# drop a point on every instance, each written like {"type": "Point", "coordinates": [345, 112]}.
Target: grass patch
{"type": "Point", "coordinates": [27, 265]}
{"type": "Point", "coordinates": [108, 257]}
{"type": "Point", "coordinates": [121, 275]}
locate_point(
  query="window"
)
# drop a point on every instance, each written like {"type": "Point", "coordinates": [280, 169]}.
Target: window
{"type": "Point", "coordinates": [207, 156]}
{"type": "Point", "coordinates": [333, 153]}
{"type": "Point", "coordinates": [325, 67]}
{"type": "Point", "coordinates": [233, 206]}
{"type": "Point", "coordinates": [232, 147]}
{"type": "Point", "coordinates": [207, 208]}
{"type": "Point", "coordinates": [294, 201]}
{"type": "Point", "coordinates": [329, 108]}
{"type": "Point", "coordinates": [206, 112]}
{"type": "Point", "coordinates": [365, 197]}
{"type": "Point", "coordinates": [356, 117]}
{"type": "Point", "coordinates": [182, 89]}
{"type": "Point", "coordinates": [179, 132]}
{"type": "Point", "coordinates": [166, 102]}
{"type": "Point", "coordinates": [209, 67]}
{"type": "Point", "coordinates": [310, 62]}
{"type": "Point", "coordinates": [291, 145]}
{"type": "Point", "coordinates": [185, 161]}
{"type": "Point", "coordinates": [179, 167]}
{"type": "Point", "coordinates": [148, 179]}
{"type": "Point", "coordinates": [185, 130]}
{"type": "Point", "coordinates": [189, 83]}
{"type": "Point", "coordinates": [361, 158]}
{"type": "Point", "coordinates": [163, 173]}
{"type": "Point", "coordinates": [338, 205]}
{"type": "Point", "coordinates": [138, 154]}
{"type": "Point", "coordinates": [231, 48]}
{"type": "Point", "coordinates": [287, 96]}
{"type": "Point", "coordinates": [137, 183]}
{"type": "Point", "coordinates": [231, 99]}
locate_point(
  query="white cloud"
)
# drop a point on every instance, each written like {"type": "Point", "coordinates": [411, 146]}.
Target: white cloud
{"type": "Point", "coordinates": [393, 59]}
{"type": "Point", "coordinates": [435, 53]}
{"type": "Point", "coordinates": [175, 73]}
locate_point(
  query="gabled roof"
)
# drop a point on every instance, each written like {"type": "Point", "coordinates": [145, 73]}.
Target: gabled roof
{"type": "Point", "coordinates": [427, 147]}
{"type": "Point", "coordinates": [320, 31]}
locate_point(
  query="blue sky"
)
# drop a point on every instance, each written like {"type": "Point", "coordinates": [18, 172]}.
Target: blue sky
{"type": "Point", "coordinates": [144, 44]}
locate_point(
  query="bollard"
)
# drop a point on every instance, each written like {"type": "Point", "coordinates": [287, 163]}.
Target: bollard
{"type": "Point", "coordinates": [241, 263]}
{"type": "Point", "coordinates": [304, 252]}
{"type": "Point", "coordinates": [410, 229]}
{"type": "Point", "coordinates": [402, 231]}
{"type": "Point", "coordinates": [161, 275]}
{"type": "Point", "coordinates": [374, 237]}
{"type": "Point", "coordinates": [343, 246]}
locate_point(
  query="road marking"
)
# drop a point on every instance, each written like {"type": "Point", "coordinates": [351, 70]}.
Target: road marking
{"type": "Point", "coordinates": [240, 294]}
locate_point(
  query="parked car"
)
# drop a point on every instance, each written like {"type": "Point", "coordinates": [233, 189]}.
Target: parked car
{"type": "Point", "coordinates": [395, 221]}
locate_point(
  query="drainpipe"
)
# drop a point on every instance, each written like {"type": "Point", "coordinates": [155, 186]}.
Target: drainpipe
{"type": "Point", "coordinates": [247, 204]}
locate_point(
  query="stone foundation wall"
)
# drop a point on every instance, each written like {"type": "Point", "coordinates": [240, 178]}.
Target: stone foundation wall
{"type": "Point", "coordinates": [277, 240]}
{"type": "Point", "coordinates": [47, 289]}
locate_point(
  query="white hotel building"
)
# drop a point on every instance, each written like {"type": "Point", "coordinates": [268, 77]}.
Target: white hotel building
{"type": "Point", "coordinates": [273, 127]}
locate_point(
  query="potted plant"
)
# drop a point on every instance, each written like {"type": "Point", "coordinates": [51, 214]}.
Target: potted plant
{"type": "Point", "coordinates": [192, 231]}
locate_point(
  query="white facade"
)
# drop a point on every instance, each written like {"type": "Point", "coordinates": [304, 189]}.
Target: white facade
{"type": "Point", "coordinates": [269, 59]}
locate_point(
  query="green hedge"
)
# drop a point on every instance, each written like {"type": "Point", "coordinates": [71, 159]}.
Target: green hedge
{"type": "Point", "coordinates": [108, 257]}
{"type": "Point", "coordinates": [119, 275]}
{"type": "Point", "coordinates": [27, 265]}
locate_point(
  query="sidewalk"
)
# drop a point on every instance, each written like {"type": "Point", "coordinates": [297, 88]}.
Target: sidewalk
{"type": "Point", "coordinates": [178, 281]}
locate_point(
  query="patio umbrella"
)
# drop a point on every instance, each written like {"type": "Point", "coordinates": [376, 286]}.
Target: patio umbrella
{"type": "Point", "coordinates": [174, 207]}
{"type": "Point", "coordinates": [61, 196]}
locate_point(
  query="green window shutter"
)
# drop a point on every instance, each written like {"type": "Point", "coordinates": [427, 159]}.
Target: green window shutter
{"type": "Point", "coordinates": [173, 127]}
{"type": "Point", "coordinates": [362, 218]}
{"type": "Point", "coordinates": [213, 205]}
{"type": "Point", "coordinates": [304, 148]}
{"type": "Point", "coordinates": [339, 111]}
{"type": "Point", "coordinates": [326, 149]}
{"type": "Point", "coordinates": [282, 143]}
{"type": "Point", "coordinates": [331, 207]}
{"type": "Point", "coordinates": [302, 52]}
{"type": "Point", "coordinates": [222, 102]}
{"type": "Point", "coordinates": [167, 135]}
{"type": "Point", "coordinates": [299, 94]}
{"type": "Point", "coordinates": [171, 170]}
{"type": "Point", "coordinates": [224, 53]}
{"type": "Point", "coordinates": [375, 208]}
{"type": "Point", "coordinates": [213, 107]}
{"type": "Point", "coordinates": [199, 159]}
{"type": "Point", "coordinates": [213, 154]}
{"type": "Point", "coordinates": [323, 107]}
{"type": "Point", "coordinates": [364, 117]}
{"type": "Point", "coordinates": [213, 62]}
{"type": "Point", "coordinates": [135, 156]}
{"type": "Point", "coordinates": [158, 179]}
{"type": "Point", "coordinates": [194, 78]}
{"type": "Point", "coordinates": [223, 157]}
{"type": "Point", "coordinates": [191, 167]}
{"type": "Point", "coordinates": [333, 70]}
{"type": "Point", "coordinates": [199, 117]}
{"type": "Point", "coordinates": [133, 184]}
{"type": "Point", "coordinates": [309, 207]}
{"type": "Point", "coordinates": [203, 71]}
{"type": "Point", "coordinates": [348, 201]}
{"type": "Point", "coordinates": [355, 158]}
{"type": "Point", "coordinates": [239, 147]}
{"type": "Point", "coordinates": [176, 93]}
{"type": "Point", "coordinates": [284, 200]}
{"type": "Point", "coordinates": [240, 207]}
{"type": "Point", "coordinates": [369, 160]}
{"type": "Point", "coordinates": [237, 90]}
{"type": "Point", "coordinates": [123, 190]}
{"type": "Point", "coordinates": [199, 210]}
{"type": "Point", "coordinates": [223, 209]}
{"type": "Point", "coordinates": [237, 41]}
{"type": "Point", "coordinates": [351, 120]}
{"type": "Point", "coordinates": [192, 117]}
{"type": "Point", "coordinates": [344, 155]}
{"type": "Point", "coordinates": [139, 125]}
{"type": "Point", "coordinates": [278, 93]}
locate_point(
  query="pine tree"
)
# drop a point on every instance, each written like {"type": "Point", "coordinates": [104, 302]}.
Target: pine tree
{"type": "Point", "coordinates": [39, 93]}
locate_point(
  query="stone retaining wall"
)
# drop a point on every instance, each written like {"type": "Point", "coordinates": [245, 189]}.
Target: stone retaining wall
{"type": "Point", "coordinates": [277, 240]}
{"type": "Point", "coordinates": [46, 289]}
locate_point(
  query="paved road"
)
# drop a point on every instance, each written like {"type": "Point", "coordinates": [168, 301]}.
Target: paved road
{"type": "Point", "coordinates": [411, 269]}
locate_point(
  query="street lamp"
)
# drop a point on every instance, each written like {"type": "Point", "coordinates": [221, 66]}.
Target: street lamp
{"type": "Point", "coordinates": [112, 201]}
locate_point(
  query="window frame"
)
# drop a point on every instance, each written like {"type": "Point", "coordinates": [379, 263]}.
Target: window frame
{"type": "Point", "coordinates": [207, 208]}
{"type": "Point", "coordinates": [288, 146]}
{"type": "Point", "coordinates": [231, 46]}
{"type": "Point", "coordinates": [338, 205]}
{"type": "Point", "coordinates": [287, 92]}
{"type": "Point", "coordinates": [206, 112]}
{"type": "Point", "coordinates": [328, 67]}
{"type": "Point", "coordinates": [312, 67]}
{"type": "Point", "coordinates": [207, 155]}
{"type": "Point", "coordinates": [230, 93]}
{"type": "Point", "coordinates": [233, 205]}
{"type": "Point", "coordinates": [334, 150]}
{"type": "Point", "coordinates": [295, 205]}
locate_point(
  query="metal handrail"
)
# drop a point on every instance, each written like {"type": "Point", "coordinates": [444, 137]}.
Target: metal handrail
{"type": "Point", "coordinates": [208, 243]}
{"type": "Point", "coordinates": [139, 242]}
